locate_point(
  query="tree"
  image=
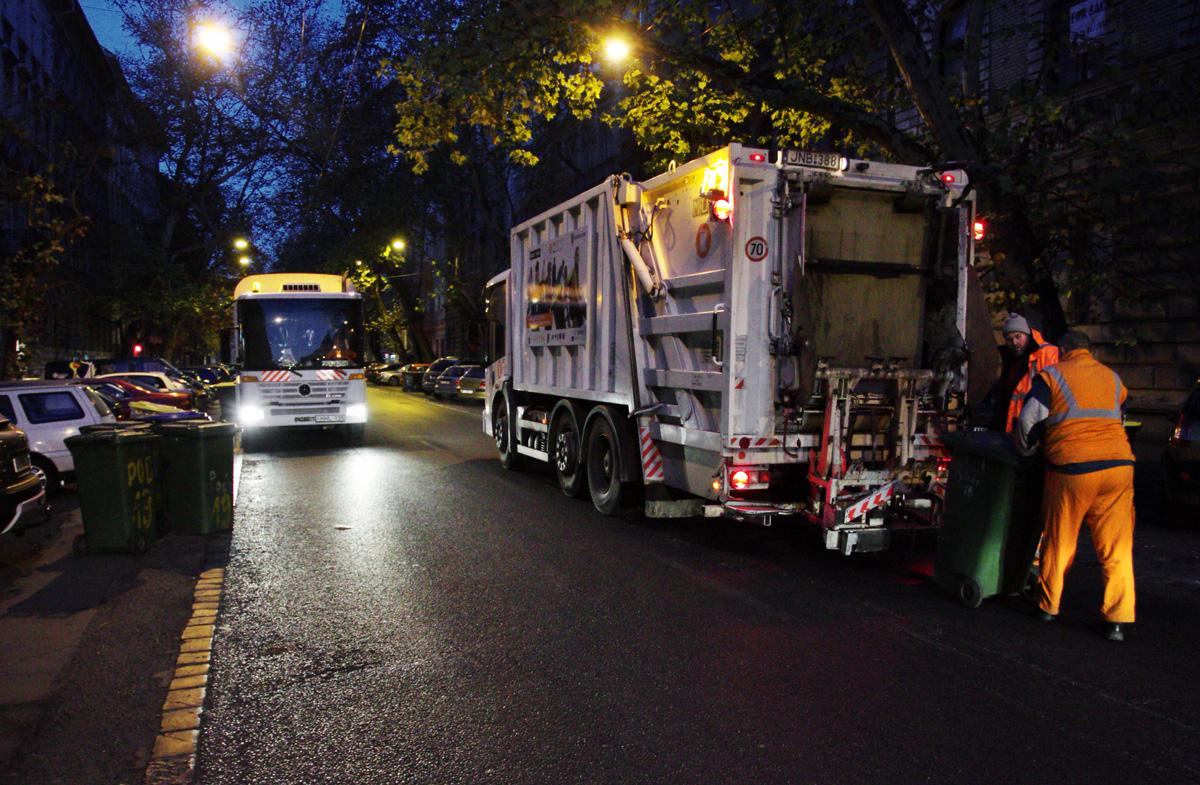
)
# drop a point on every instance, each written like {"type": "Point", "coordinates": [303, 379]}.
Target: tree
{"type": "Point", "coordinates": [772, 74]}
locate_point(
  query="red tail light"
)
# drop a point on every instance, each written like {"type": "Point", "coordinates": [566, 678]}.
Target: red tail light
{"type": "Point", "coordinates": [739, 479]}
{"type": "Point", "coordinates": [1182, 436]}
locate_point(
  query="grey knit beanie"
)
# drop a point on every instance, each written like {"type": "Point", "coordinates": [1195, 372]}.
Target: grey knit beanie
{"type": "Point", "coordinates": [1015, 323]}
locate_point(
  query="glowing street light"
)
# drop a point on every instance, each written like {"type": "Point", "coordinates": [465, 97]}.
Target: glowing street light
{"type": "Point", "coordinates": [213, 38]}
{"type": "Point", "coordinates": [245, 260]}
{"type": "Point", "coordinates": [616, 50]}
{"type": "Point", "coordinates": [398, 245]}
{"type": "Point", "coordinates": [240, 243]}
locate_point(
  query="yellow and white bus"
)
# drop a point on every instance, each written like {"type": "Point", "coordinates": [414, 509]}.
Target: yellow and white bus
{"type": "Point", "coordinates": [298, 341]}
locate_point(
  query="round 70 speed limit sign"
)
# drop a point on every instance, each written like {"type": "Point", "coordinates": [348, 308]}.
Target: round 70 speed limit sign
{"type": "Point", "coordinates": [756, 249]}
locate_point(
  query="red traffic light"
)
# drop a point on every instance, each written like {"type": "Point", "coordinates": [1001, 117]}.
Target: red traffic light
{"type": "Point", "coordinates": [137, 350]}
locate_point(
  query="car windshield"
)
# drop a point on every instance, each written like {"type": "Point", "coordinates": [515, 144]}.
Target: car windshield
{"type": "Point", "coordinates": [474, 373]}
{"type": "Point", "coordinates": [101, 406]}
{"type": "Point", "coordinates": [301, 332]}
{"type": "Point", "coordinates": [110, 389]}
{"type": "Point", "coordinates": [454, 373]}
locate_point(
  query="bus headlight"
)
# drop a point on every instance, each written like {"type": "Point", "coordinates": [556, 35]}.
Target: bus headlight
{"type": "Point", "coordinates": [250, 415]}
{"type": "Point", "coordinates": [356, 412]}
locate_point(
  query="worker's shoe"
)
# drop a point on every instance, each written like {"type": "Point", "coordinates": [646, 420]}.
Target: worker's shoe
{"type": "Point", "coordinates": [1036, 612]}
{"type": "Point", "coordinates": [1113, 630]}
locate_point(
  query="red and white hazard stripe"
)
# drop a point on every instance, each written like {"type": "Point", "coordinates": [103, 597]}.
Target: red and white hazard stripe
{"type": "Point", "coordinates": [932, 444]}
{"type": "Point", "coordinates": [652, 463]}
{"type": "Point", "coordinates": [876, 499]}
{"type": "Point", "coordinates": [331, 375]}
{"type": "Point", "coordinates": [753, 442]}
{"type": "Point", "coordinates": [276, 376]}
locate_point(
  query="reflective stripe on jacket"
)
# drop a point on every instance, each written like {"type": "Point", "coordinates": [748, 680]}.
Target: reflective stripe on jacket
{"type": "Point", "coordinates": [1083, 422]}
{"type": "Point", "coordinates": [1044, 355]}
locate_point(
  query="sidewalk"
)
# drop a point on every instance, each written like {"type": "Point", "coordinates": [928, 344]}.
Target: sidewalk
{"type": "Point", "coordinates": [87, 649]}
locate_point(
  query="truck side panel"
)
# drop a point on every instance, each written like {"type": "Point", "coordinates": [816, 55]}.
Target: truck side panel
{"type": "Point", "coordinates": [568, 296]}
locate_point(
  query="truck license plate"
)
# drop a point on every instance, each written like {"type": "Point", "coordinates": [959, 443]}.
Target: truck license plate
{"type": "Point", "coordinates": [330, 418]}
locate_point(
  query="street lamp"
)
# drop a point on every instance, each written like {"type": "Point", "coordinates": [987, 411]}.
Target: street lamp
{"type": "Point", "coordinates": [244, 261]}
{"type": "Point", "coordinates": [240, 243]}
{"type": "Point", "coordinates": [213, 38]}
{"type": "Point", "coordinates": [398, 245]}
{"type": "Point", "coordinates": [616, 50]}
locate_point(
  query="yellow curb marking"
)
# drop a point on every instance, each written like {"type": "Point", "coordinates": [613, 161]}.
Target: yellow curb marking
{"type": "Point", "coordinates": [199, 669]}
{"type": "Point", "coordinates": [196, 644]}
{"type": "Point", "coordinates": [187, 682]}
{"type": "Point", "coordinates": [194, 657]}
{"type": "Point", "coordinates": [184, 699]}
{"type": "Point", "coordinates": [176, 743]}
{"type": "Point", "coordinates": [181, 719]}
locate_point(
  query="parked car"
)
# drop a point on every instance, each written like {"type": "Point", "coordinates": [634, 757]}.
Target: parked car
{"type": "Point", "coordinates": [372, 372]}
{"type": "Point", "coordinates": [127, 391]}
{"type": "Point", "coordinates": [411, 375]}
{"type": "Point", "coordinates": [429, 378]}
{"type": "Point", "coordinates": [134, 365]}
{"type": "Point", "coordinates": [22, 490]}
{"type": "Point", "coordinates": [204, 374]}
{"type": "Point", "coordinates": [160, 381]}
{"type": "Point", "coordinates": [1181, 462]}
{"type": "Point", "coordinates": [390, 376]}
{"type": "Point", "coordinates": [48, 412]}
{"type": "Point", "coordinates": [470, 386]}
{"type": "Point", "coordinates": [447, 383]}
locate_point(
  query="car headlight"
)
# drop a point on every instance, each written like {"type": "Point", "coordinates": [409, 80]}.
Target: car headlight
{"type": "Point", "coordinates": [249, 415]}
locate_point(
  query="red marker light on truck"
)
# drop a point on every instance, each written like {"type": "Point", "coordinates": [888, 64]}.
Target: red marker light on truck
{"type": "Point", "coordinates": [739, 479]}
{"type": "Point", "coordinates": [948, 178]}
{"type": "Point", "coordinates": [978, 230]}
{"type": "Point", "coordinates": [757, 157]}
{"type": "Point", "coordinates": [722, 209]}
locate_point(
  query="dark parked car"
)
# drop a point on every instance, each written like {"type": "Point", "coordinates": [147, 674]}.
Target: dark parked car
{"type": "Point", "coordinates": [470, 386]}
{"type": "Point", "coordinates": [447, 383]}
{"type": "Point", "coordinates": [429, 378]}
{"type": "Point", "coordinates": [205, 374]}
{"type": "Point", "coordinates": [1181, 462]}
{"type": "Point", "coordinates": [22, 490]}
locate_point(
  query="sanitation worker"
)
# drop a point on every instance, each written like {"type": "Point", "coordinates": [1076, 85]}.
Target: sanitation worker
{"type": "Point", "coordinates": [1026, 353]}
{"type": "Point", "coordinates": [1074, 411]}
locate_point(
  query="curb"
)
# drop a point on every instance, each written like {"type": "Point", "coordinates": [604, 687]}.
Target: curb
{"type": "Point", "coordinates": [173, 761]}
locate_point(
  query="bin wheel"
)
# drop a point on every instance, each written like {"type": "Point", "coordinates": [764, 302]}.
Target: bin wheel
{"type": "Point", "coordinates": [969, 592]}
{"type": "Point", "coordinates": [79, 545]}
{"type": "Point", "coordinates": [138, 543]}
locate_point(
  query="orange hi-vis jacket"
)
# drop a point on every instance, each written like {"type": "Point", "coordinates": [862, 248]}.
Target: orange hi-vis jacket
{"type": "Point", "coordinates": [1044, 355]}
{"type": "Point", "coordinates": [1084, 421]}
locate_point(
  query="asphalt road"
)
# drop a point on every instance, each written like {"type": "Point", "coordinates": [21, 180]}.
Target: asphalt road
{"type": "Point", "coordinates": [406, 611]}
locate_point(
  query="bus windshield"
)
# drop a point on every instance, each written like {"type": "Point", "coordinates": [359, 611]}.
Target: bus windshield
{"type": "Point", "coordinates": [296, 333]}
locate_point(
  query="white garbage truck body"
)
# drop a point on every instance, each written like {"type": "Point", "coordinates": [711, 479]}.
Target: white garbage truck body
{"type": "Point", "coordinates": [753, 334]}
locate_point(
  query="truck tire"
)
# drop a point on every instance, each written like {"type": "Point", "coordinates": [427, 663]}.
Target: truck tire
{"type": "Point", "coordinates": [603, 457]}
{"type": "Point", "coordinates": [504, 433]}
{"type": "Point", "coordinates": [566, 451]}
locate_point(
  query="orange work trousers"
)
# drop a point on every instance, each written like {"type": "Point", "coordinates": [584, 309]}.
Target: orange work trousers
{"type": "Point", "coordinates": [1104, 499]}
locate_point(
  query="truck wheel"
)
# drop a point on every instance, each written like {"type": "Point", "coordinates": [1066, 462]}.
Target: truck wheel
{"type": "Point", "coordinates": [504, 434]}
{"type": "Point", "coordinates": [565, 444]}
{"type": "Point", "coordinates": [609, 493]}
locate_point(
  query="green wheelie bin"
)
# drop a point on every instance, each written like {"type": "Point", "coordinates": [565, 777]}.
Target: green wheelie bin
{"type": "Point", "coordinates": [197, 459]}
{"type": "Point", "coordinates": [120, 497]}
{"type": "Point", "coordinates": [992, 522]}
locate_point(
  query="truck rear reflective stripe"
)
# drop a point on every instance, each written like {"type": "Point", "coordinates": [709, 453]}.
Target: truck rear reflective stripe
{"type": "Point", "coordinates": [871, 502]}
{"type": "Point", "coordinates": [652, 464]}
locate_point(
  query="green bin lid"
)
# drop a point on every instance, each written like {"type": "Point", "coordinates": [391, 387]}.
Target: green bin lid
{"type": "Point", "coordinates": [986, 444]}
{"type": "Point", "coordinates": [196, 429]}
{"type": "Point", "coordinates": [110, 436]}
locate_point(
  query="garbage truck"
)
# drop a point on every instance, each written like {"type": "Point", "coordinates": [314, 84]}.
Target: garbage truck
{"type": "Point", "coordinates": [754, 334]}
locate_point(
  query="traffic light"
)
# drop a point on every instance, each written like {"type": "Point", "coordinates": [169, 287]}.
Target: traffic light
{"type": "Point", "coordinates": [137, 350]}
